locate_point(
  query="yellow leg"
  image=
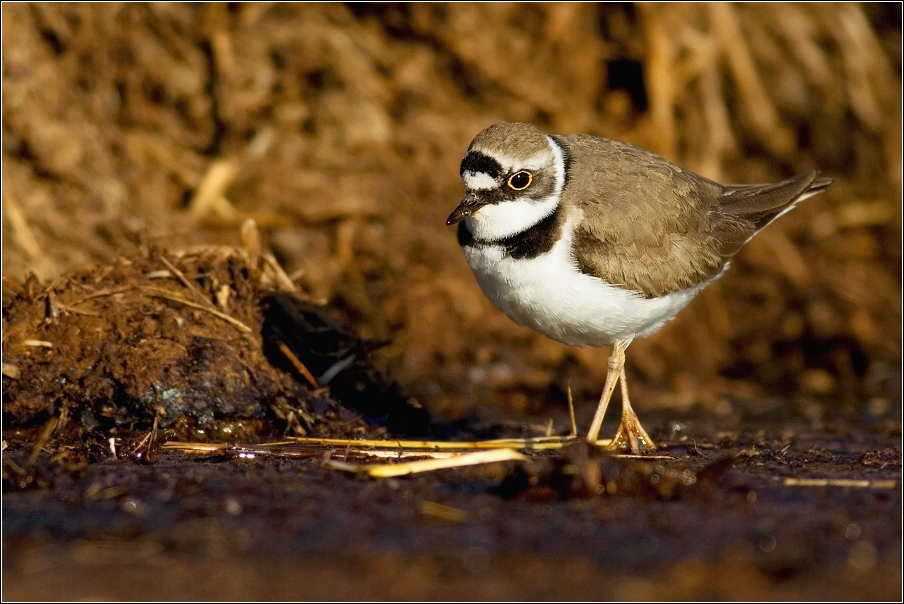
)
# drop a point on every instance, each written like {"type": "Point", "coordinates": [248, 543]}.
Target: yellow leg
{"type": "Point", "coordinates": [616, 367]}
{"type": "Point", "coordinates": [630, 436]}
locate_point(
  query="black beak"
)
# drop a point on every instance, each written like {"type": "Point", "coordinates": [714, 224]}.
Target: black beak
{"type": "Point", "coordinates": [467, 207]}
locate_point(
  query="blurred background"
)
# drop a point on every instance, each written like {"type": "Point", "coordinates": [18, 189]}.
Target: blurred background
{"type": "Point", "coordinates": [340, 127]}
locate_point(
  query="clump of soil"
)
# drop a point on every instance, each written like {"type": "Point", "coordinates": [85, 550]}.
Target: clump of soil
{"type": "Point", "coordinates": [181, 341]}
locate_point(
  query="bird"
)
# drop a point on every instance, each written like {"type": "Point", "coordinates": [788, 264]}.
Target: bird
{"type": "Point", "coordinates": [595, 242]}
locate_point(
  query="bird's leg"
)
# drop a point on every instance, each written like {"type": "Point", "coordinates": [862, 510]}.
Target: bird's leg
{"type": "Point", "coordinates": [630, 435]}
{"type": "Point", "coordinates": [616, 366]}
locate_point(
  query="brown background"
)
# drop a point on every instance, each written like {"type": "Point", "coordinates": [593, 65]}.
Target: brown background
{"type": "Point", "coordinates": [339, 128]}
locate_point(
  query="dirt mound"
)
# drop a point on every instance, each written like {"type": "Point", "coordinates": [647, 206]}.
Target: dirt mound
{"type": "Point", "coordinates": [184, 342]}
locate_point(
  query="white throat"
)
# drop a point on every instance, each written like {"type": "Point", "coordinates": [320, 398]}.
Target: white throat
{"type": "Point", "coordinates": [502, 220]}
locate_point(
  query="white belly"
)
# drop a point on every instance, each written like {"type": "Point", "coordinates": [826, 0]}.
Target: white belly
{"type": "Point", "coordinates": [549, 294]}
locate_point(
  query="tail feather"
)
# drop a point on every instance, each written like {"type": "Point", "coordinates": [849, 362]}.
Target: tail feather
{"type": "Point", "coordinates": [761, 204]}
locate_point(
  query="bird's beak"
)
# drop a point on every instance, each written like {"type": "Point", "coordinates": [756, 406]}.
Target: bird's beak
{"type": "Point", "coordinates": [467, 207]}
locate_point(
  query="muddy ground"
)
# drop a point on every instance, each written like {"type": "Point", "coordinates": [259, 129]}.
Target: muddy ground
{"type": "Point", "coordinates": [265, 529]}
{"type": "Point", "coordinates": [140, 306]}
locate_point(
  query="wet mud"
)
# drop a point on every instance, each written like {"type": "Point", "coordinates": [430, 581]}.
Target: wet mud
{"type": "Point", "coordinates": [778, 513]}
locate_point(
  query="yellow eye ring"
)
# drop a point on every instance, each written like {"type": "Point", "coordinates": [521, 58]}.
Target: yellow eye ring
{"type": "Point", "coordinates": [520, 180]}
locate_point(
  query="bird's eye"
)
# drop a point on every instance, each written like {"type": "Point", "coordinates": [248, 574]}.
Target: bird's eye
{"type": "Point", "coordinates": [520, 180]}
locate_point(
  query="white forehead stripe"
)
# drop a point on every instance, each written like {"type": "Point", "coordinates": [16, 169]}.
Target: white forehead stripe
{"type": "Point", "coordinates": [479, 181]}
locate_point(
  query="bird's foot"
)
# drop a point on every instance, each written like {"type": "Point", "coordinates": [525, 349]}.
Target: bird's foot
{"type": "Point", "coordinates": [631, 438]}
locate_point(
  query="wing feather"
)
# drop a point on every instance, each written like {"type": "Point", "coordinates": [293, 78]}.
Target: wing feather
{"type": "Point", "coordinates": [649, 226]}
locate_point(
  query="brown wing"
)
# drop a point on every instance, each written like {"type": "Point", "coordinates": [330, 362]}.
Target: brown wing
{"type": "Point", "coordinates": [652, 227]}
{"type": "Point", "coordinates": [761, 204]}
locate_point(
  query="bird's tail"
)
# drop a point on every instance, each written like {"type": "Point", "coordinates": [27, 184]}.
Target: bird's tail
{"type": "Point", "coordinates": [761, 204]}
